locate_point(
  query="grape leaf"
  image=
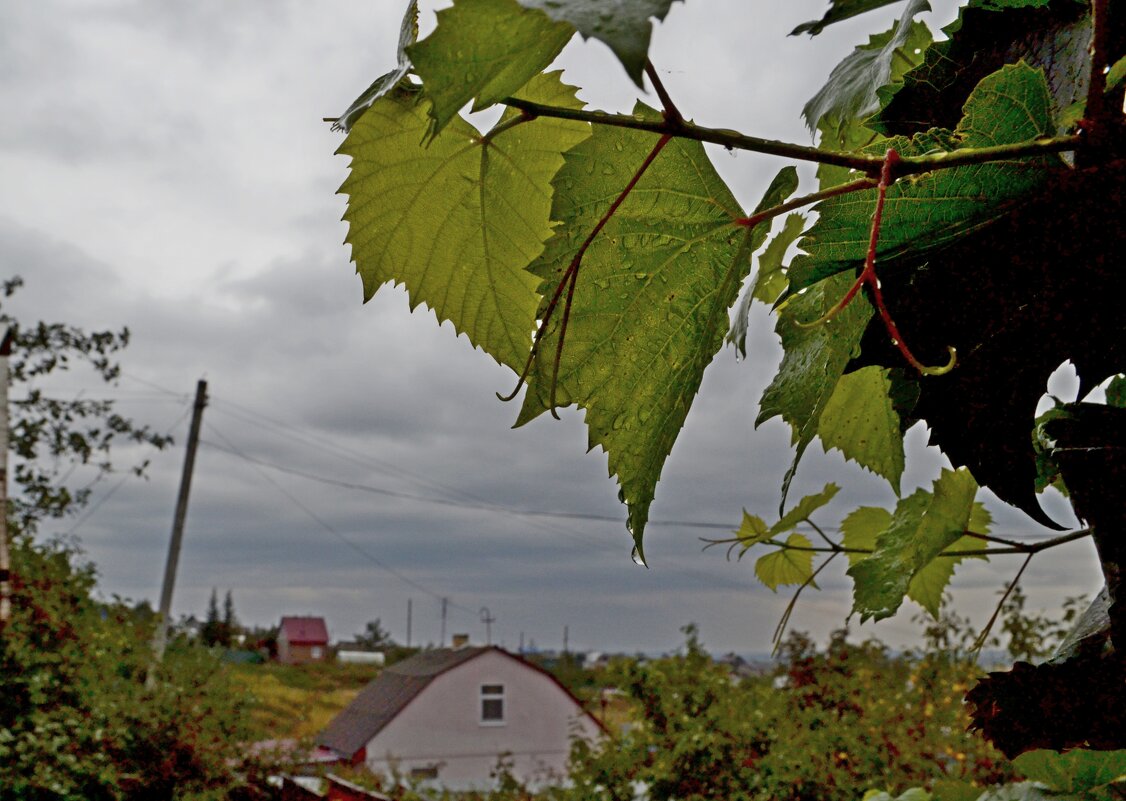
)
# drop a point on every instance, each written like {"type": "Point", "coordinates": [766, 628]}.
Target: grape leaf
{"type": "Point", "coordinates": [988, 34]}
{"type": "Point", "coordinates": [752, 531]}
{"type": "Point", "coordinates": [408, 33]}
{"type": "Point", "coordinates": [484, 51]}
{"type": "Point", "coordinates": [850, 91]}
{"type": "Point", "coordinates": [862, 527]}
{"type": "Point", "coordinates": [861, 422]}
{"type": "Point", "coordinates": [930, 210]}
{"type": "Point", "coordinates": [922, 526]}
{"type": "Point", "coordinates": [839, 10]}
{"type": "Point", "coordinates": [457, 222]}
{"type": "Point", "coordinates": [771, 282]}
{"type": "Point", "coordinates": [804, 508]}
{"type": "Point", "coordinates": [813, 360]}
{"type": "Point", "coordinates": [651, 300]}
{"type": "Point", "coordinates": [1116, 392]}
{"type": "Point", "coordinates": [1076, 771]}
{"type": "Point", "coordinates": [786, 565]}
{"type": "Point", "coordinates": [783, 185]}
{"type": "Point", "coordinates": [623, 25]}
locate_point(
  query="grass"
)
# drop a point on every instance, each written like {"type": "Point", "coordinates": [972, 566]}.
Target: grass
{"type": "Point", "coordinates": [297, 701]}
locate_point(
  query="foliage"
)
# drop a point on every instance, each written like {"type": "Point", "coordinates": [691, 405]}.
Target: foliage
{"type": "Point", "coordinates": [77, 718]}
{"type": "Point", "coordinates": [374, 635]}
{"type": "Point", "coordinates": [78, 721]}
{"type": "Point", "coordinates": [50, 435]}
{"type": "Point", "coordinates": [598, 254]}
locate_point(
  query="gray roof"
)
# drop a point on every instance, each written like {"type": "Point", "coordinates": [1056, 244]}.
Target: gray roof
{"type": "Point", "coordinates": [386, 696]}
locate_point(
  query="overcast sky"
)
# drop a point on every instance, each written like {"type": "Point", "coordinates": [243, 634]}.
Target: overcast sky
{"type": "Point", "coordinates": [165, 167]}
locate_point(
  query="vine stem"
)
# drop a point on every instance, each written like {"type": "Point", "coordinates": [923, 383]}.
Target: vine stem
{"type": "Point", "coordinates": [869, 278]}
{"type": "Point", "coordinates": [1095, 114]}
{"type": "Point", "coordinates": [780, 629]}
{"type": "Point", "coordinates": [979, 643]}
{"type": "Point", "coordinates": [833, 191]}
{"type": "Point", "coordinates": [868, 164]}
{"type": "Point", "coordinates": [570, 279]}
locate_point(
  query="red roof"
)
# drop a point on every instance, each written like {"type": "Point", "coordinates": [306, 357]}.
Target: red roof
{"type": "Point", "coordinates": [304, 630]}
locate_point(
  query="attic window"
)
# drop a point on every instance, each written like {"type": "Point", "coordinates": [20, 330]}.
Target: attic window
{"type": "Point", "coordinates": [492, 704]}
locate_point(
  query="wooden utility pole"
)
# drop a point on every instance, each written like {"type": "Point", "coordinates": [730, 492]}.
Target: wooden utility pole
{"type": "Point", "coordinates": [161, 636]}
{"type": "Point", "coordinates": [5, 556]}
{"type": "Point", "coordinates": [408, 622]}
{"type": "Point", "coordinates": [445, 602]}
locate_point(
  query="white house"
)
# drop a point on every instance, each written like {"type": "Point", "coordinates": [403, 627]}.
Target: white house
{"type": "Point", "coordinates": [448, 716]}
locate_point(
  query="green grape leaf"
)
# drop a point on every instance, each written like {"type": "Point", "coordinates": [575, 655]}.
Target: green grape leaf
{"type": "Point", "coordinates": [1052, 35]}
{"type": "Point", "coordinates": [928, 585]}
{"type": "Point", "coordinates": [861, 422]}
{"type": "Point", "coordinates": [839, 10]}
{"type": "Point", "coordinates": [770, 282]}
{"type": "Point", "coordinates": [850, 92]}
{"type": "Point", "coordinates": [484, 51]}
{"type": "Point", "coordinates": [814, 360]}
{"type": "Point", "coordinates": [923, 525]}
{"type": "Point", "coordinates": [860, 529]}
{"type": "Point", "coordinates": [623, 25]}
{"type": "Point", "coordinates": [752, 531]}
{"type": "Point", "coordinates": [785, 565]}
{"type": "Point", "coordinates": [804, 508]}
{"type": "Point", "coordinates": [1116, 392]}
{"type": "Point", "coordinates": [1076, 771]}
{"type": "Point", "coordinates": [1116, 74]}
{"type": "Point", "coordinates": [928, 211]}
{"type": "Point", "coordinates": [785, 183]}
{"type": "Point", "coordinates": [408, 33]}
{"type": "Point", "coordinates": [651, 299]}
{"type": "Point", "coordinates": [457, 222]}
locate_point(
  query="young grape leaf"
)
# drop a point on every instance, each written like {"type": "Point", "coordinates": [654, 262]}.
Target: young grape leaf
{"type": "Point", "coordinates": [930, 210]}
{"type": "Point", "coordinates": [1116, 392]}
{"type": "Point", "coordinates": [752, 531]}
{"type": "Point", "coordinates": [484, 51]}
{"type": "Point", "coordinates": [850, 92]}
{"type": "Point", "coordinates": [923, 525]}
{"type": "Point", "coordinates": [804, 508]}
{"type": "Point", "coordinates": [861, 422]}
{"type": "Point", "coordinates": [863, 526]}
{"type": "Point", "coordinates": [786, 565]}
{"type": "Point", "coordinates": [650, 303]}
{"type": "Point", "coordinates": [839, 10]}
{"type": "Point", "coordinates": [1050, 35]}
{"type": "Point", "coordinates": [408, 33]}
{"type": "Point", "coordinates": [457, 222]}
{"type": "Point", "coordinates": [814, 358]}
{"type": "Point", "coordinates": [623, 25]}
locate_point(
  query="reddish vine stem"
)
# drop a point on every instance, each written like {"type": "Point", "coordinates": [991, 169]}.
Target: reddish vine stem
{"type": "Point", "coordinates": [1095, 116]}
{"type": "Point", "coordinates": [780, 629]}
{"type": "Point", "coordinates": [569, 280]}
{"type": "Point", "coordinates": [868, 277]}
{"type": "Point", "coordinates": [672, 114]}
{"type": "Point", "coordinates": [833, 191]}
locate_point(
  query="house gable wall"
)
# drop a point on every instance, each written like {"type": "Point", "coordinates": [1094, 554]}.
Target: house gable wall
{"type": "Point", "coordinates": [442, 727]}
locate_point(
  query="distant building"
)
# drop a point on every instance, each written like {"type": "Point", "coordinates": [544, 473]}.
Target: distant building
{"type": "Point", "coordinates": [302, 639]}
{"type": "Point", "coordinates": [449, 715]}
{"type": "Point", "coordinates": [352, 653]}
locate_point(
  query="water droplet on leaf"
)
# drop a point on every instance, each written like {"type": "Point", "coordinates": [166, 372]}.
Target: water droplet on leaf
{"type": "Point", "coordinates": [635, 555]}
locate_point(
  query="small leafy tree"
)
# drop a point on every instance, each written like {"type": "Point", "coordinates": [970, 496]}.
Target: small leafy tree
{"type": "Point", "coordinates": [963, 242]}
{"type": "Point", "coordinates": [374, 635]}
{"type": "Point", "coordinates": [77, 720]}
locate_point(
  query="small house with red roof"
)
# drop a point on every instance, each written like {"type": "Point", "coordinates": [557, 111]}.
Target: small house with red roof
{"type": "Point", "coordinates": [448, 716]}
{"type": "Point", "coordinates": [302, 639]}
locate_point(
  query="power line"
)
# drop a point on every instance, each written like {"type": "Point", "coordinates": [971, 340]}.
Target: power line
{"type": "Point", "coordinates": [331, 530]}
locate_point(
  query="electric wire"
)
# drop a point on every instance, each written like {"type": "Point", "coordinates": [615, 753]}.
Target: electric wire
{"type": "Point", "coordinates": [335, 532]}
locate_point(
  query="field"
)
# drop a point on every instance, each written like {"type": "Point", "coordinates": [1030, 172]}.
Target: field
{"type": "Point", "coordinates": [297, 701]}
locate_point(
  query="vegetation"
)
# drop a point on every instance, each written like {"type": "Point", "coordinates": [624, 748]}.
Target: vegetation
{"type": "Point", "coordinates": [78, 721]}
{"type": "Point", "coordinates": [959, 246]}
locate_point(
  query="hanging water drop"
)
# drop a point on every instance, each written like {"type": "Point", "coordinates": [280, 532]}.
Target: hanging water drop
{"type": "Point", "coordinates": [637, 558]}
